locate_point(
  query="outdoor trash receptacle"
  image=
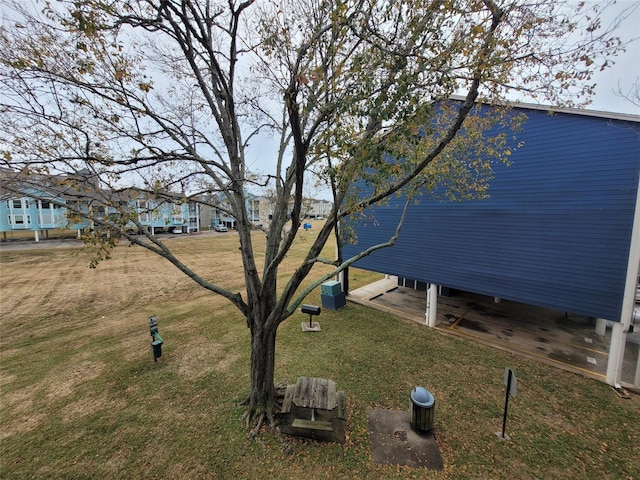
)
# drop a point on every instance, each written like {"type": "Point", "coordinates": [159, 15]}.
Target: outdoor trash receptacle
{"type": "Point", "coordinates": [422, 408]}
{"type": "Point", "coordinates": [157, 349]}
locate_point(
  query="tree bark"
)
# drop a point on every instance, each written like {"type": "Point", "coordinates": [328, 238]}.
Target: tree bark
{"type": "Point", "coordinates": [262, 395]}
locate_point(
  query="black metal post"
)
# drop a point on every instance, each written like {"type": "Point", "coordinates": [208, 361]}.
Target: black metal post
{"type": "Point", "coordinates": [506, 402]}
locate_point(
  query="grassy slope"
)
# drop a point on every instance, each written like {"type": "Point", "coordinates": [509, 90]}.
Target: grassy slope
{"type": "Point", "coordinates": [80, 396]}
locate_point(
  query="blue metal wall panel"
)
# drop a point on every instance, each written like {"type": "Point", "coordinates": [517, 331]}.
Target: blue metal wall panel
{"type": "Point", "coordinates": [555, 231]}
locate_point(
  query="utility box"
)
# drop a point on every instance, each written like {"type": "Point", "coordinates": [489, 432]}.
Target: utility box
{"type": "Point", "coordinates": [156, 346]}
{"type": "Point", "coordinates": [421, 410]}
{"type": "Point", "coordinates": [153, 326]}
{"type": "Point", "coordinates": [334, 302]}
{"type": "Point", "coordinates": [331, 288]}
{"type": "Point", "coordinates": [332, 295]}
{"type": "Point", "coordinates": [156, 339]}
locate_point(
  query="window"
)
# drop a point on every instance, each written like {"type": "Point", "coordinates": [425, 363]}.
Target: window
{"type": "Point", "coordinates": [17, 203]}
{"type": "Point", "coordinates": [254, 211]}
{"type": "Point", "coordinates": [19, 220]}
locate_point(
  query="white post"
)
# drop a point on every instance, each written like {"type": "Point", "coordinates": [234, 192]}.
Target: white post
{"type": "Point", "coordinates": [432, 305]}
{"type": "Point", "coordinates": [340, 276]}
{"type": "Point", "coordinates": [497, 300]}
{"type": "Point", "coordinates": [37, 233]}
{"type": "Point", "coordinates": [616, 353]}
{"type": "Point", "coordinates": [619, 332]}
{"type": "Point", "coordinates": [621, 328]}
{"type": "Point", "coordinates": [79, 234]}
{"type": "Point", "coordinates": [601, 327]}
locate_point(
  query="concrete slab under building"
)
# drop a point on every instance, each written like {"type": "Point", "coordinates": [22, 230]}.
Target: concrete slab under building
{"type": "Point", "coordinates": [564, 340]}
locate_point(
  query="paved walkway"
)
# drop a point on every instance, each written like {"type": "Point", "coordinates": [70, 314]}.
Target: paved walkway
{"type": "Point", "coordinates": [564, 340]}
{"type": "Point", "coordinates": [7, 246]}
{"type": "Point", "coordinates": [30, 244]}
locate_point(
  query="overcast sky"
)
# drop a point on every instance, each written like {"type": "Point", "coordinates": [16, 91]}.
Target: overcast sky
{"type": "Point", "coordinates": [626, 69]}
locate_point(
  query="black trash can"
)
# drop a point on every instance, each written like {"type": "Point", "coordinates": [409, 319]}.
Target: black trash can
{"type": "Point", "coordinates": [422, 409]}
{"type": "Point", "coordinates": [156, 345]}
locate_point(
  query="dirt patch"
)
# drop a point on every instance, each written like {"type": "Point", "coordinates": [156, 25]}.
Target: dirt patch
{"type": "Point", "coordinates": [201, 356]}
{"type": "Point", "coordinates": [137, 346]}
{"type": "Point", "coordinates": [557, 422]}
{"type": "Point", "coordinates": [63, 384]}
{"type": "Point", "coordinates": [18, 401]}
{"type": "Point", "coordinates": [18, 425]}
{"type": "Point", "coordinates": [89, 405]}
{"type": "Point", "coordinates": [224, 364]}
{"type": "Point", "coordinates": [6, 379]}
{"type": "Point", "coordinates": [18, 416]}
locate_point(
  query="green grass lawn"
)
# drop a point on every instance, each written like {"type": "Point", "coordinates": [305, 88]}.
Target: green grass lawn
{"type": "Point", "coordinates": [81, 397]}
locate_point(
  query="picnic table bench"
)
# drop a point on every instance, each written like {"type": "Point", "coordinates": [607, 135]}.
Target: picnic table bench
{"type": "Point", "coordinates": [314, 408]}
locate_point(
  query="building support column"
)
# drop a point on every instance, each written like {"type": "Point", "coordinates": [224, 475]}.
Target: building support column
{"type": "Point", "coordinates": [601, 327]}
{"type": "Point", "coordinates": [432, 305]}
{"type": "Point", "coordinates": [37, 235]}
{"type": "Point", "coordinates": [343, 275]}
{"type": "Point", "coordinates": [343, 278]}
{"type": "Point", "coordinates": [620, 329]}
{"type": "Point", "coordinates": [636, 380]}
{"type": "Point", "coordinates": [616, 353]}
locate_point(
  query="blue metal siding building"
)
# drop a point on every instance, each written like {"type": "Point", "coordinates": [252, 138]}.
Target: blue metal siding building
{"type": "Point", "coordinates": [36, 211]}
{"type": "Point", "coordinates": [555, 231]}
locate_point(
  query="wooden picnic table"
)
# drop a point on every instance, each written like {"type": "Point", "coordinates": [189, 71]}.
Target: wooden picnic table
{"type": "Point", "coordinates": [314, 408]}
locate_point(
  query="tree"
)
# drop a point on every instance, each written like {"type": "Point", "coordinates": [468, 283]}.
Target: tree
{"type": "Point", "coordinates": [632, 94]}
{"type": "Point", "coordinates": [164, 98]}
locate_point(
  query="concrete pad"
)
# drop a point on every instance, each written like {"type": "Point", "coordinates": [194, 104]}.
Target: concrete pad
{"type": "Point", "coordinates": [314, 327]}
{"type": "Point", "coordinates": [553, 337]}
{"type": "Point", "coordinates": [394, 442]}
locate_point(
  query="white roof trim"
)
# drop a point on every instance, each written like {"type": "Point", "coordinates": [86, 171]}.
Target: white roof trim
{"type": "Point", "coordinates": [573, 111]}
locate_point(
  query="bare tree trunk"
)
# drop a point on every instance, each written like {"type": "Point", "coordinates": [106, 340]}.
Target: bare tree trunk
{"type": "Point", "coordinates": [262, 395]}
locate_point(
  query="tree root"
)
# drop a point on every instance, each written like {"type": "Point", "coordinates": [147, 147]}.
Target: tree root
{"type": "Point", "coordinates": [253, 433]}
{"type": "Point", "coordinates": [256, 420]}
